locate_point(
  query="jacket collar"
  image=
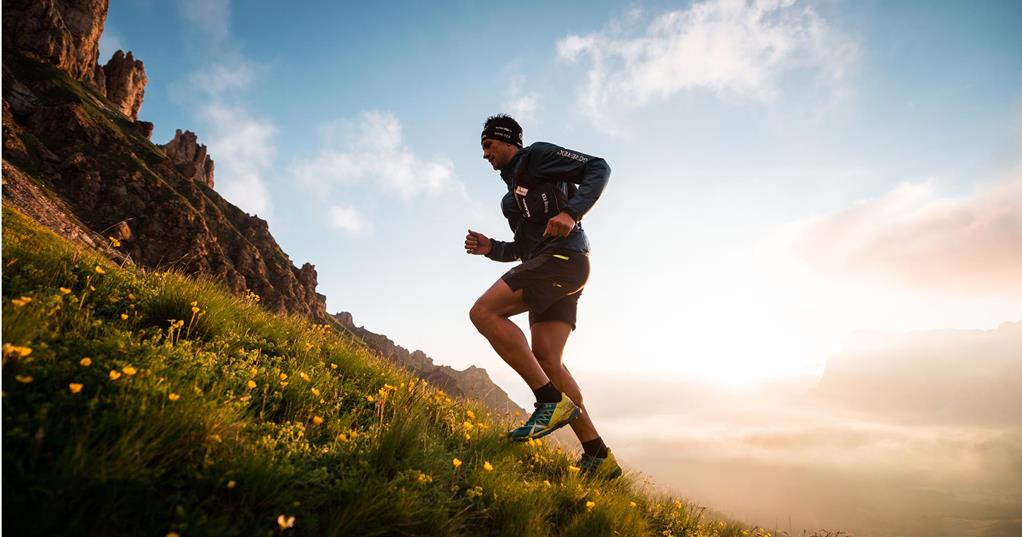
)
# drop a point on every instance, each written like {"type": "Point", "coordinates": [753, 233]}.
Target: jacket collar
{"type": "Point", "coordinates": [506, 171]}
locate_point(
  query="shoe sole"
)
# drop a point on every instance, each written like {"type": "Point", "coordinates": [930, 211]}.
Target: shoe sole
{"type": "Point", "coordinates": [575, 413]}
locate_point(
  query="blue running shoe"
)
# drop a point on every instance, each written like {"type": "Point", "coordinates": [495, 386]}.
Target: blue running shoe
{"type": "Point", "coordinates": [600, 468]}
{"type": "Point", "coordinates": [547, 418]}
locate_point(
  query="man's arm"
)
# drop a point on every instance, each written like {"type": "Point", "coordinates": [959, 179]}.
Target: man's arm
{"type": "Point", "coordinates": [503, 251]}
{"type": "Point", "coordinates": [552, 163]}
{"type": "Point", "coordinates": [478, 244]}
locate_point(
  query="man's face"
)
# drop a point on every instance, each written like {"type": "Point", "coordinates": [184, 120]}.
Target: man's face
{"type": "Point", "coordinates": [498, 153]}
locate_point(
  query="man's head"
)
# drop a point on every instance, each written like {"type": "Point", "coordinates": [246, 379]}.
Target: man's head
{"type": "Point", "coordinates": [501, 139]}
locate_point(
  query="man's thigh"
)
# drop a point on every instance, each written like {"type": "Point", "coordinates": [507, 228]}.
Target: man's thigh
{"type": "Point", "coordinates": [501, 300]}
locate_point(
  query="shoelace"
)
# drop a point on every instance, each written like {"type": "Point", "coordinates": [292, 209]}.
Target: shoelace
{"type": "Point", "coordinates": [543, 412]}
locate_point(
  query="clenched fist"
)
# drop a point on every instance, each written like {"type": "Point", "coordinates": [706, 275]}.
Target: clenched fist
{"type": "Point", "coordinates": [560, 225]}
{"type": "Point", "coordinates": [476, 243]}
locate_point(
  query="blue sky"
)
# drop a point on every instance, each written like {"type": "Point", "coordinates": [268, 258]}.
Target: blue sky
{"type": "Point", "coordinates": [784, 173]}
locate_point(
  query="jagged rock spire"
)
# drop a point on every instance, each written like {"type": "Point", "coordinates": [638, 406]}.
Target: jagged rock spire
{"type": "Point", "coordinates": [190, 157]}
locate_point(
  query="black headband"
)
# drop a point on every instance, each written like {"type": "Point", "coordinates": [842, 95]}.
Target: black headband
{"type": "Point", "coordinates": [506, 132]}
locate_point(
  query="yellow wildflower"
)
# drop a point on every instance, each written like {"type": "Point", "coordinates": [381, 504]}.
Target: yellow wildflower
{"type": "Point", "coordinates": [424, 478]}
{"type": "Point", "coordinates": [487, 466]}
{"type": "Point", "coordinates": [546, 483]}
{"type": "Point", "coordinates": [283, 376]}
{"type": "Point", "coordinates": [285, 522]}
{"type": "Point", "coordinates": [471, 415]}
{"type": "Point", "coordinates": [74, 387]}
{"type": "Point", "coordinates": [16, 351]}
{"type": "Point", "coordinates": [315, 392]}
{"type": "Point", "coordinates": [195, 309]}
{"type": "Point", "coordinates": [231, 484]}
{"type": "Point", "coordinates": [86, 362]}
{"type": "Point", "coordinates": [99, 270]}
{"type": "Point", "coordinates": [341, 437]}
{"type": "Point", "coordinates": [574, 469]}
{"type": "Point", "coordinates": [131, 296]}
{"type": "Point", "coordinates": [632, 504]}
{"type": "Point", "coordinates": [251, 384]}
{"type": "Point", "coordinates": [19, 302]}
{"type": "Point", "coordinates": [195, 303]}
{"type": "Point", "coordinates": [173, 396]}
{"type": "Point", "coordinates": [467, 426]}
{"type": "Point", "coordinates": [370, 398]}
{"type": "Point", "coordinates": [316, 420]}
{"type": "Point", "coordinates": [590, 504]}
{"type": "Point", "coordinates": [333, 365]}
{"type": "Point", "coordinates": [173, 534]}
{"type": "Point", "coordinates": [456, 462]}
{"type": "Point", "coordinates": [124, 316]}
{"type": "Point", "coordinates": [65, 291]}
{"type": "Point", "coordinates": [114, 374]}
{"type": "Point", "coordinates": [284, 384]}
{"type": "Point", "coordinates": [305, 377]}
{"type": "Point", "coordinates": [354, 434]}
{"type": "Point", "coordinates": [24, 379]}
{"type": "Point", "coordinates": [129, 370]}
{"type": "Point", "coordinates": [114, 242]}
{"type": "Point", "coordinates": [468, 436]}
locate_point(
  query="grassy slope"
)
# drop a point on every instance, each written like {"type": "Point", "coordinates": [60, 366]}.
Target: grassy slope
{"type": "Point", "coordinates": [200, 435]}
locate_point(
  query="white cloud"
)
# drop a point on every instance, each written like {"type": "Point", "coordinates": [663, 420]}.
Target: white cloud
{"type": "Point", "coordinates": [917, 238]}
{"type": "Point", "coordinates": [370, 150]}
{"type": "Point", "coordinates": [521, 105]}
{"type": "Point", "coordinates": [347, 218]}
{"type": "Point", "coordinates": [210, 17]}
{"type": "Point", "coordinates": [727, 46]}
{"type": "Point", "coordinates": [109, 42]}
{"type": "Point", "coordinates": [221, 78]}
{"type": "Point", "coordinates": [243, 148]}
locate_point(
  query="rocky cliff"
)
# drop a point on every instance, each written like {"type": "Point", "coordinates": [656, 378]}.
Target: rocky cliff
{"type": "Point", "coordinates": [62, 33]}
{"type": "Point", "coordinates": [473, 382]}
{"type": "Point", "coordinates": [73, 145]}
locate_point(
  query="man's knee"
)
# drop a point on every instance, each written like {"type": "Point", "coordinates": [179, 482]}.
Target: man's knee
{"type": "Point", "coordinates": [480, 315]}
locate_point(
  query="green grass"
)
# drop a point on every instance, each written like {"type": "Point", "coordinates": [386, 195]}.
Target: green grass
{"type": "Point", "coordinates": [201, 433]}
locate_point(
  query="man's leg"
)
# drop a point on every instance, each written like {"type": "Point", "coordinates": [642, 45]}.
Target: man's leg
{"type": "Point", "coordinates": [548, 340]}
{"type": "Point", "coordinates": [490, 316]}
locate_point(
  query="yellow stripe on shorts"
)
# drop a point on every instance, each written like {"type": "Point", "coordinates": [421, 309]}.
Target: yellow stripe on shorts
{"type": "Point", "coordinates": [564, 257]}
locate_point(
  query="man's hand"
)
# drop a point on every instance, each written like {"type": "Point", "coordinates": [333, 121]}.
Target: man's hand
{"type": "Point", "coordinates": [476, 243]}
{"type": "Point", "coordinates": [560, 225]}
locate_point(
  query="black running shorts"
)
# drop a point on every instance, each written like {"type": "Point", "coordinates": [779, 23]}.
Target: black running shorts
{"type": "Point", "coordinates": [551, 284]}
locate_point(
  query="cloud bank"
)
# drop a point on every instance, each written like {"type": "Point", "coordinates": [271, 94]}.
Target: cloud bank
{"type": "Point", "coordinates": [918, 238]}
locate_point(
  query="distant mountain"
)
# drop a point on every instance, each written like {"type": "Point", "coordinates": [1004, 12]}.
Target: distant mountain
{"type": "Point", "coordinates": [938, 376]}
{"type": "Point", "coordinates": [77, 159]}
{"type": "Point", "coordinates": [473, 382]}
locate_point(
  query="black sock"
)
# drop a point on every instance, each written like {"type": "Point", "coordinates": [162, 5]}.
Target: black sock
{"type": "Point", "coordinates": [547, 393]}
{"type": "Point", "coordinates": [595, 448]}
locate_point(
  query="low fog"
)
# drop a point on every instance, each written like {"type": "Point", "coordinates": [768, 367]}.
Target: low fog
{"type": "Point", "coordinates": [912, 434]}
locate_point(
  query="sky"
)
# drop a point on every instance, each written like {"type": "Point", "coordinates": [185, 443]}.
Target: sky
{"type": "Point", "coordinates": [786, 174]}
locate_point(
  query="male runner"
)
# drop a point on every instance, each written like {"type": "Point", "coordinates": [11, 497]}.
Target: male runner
{"type": "Point", "coordinates": [544, 208]}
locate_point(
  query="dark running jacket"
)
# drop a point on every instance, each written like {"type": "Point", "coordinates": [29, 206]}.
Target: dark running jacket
{"type": "Point", "coordinates": [566, 169]}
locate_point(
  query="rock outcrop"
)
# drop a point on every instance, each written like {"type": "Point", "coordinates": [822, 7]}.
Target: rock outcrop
{"type": "Point", "coordinates": [190, 157]}
{"type": "Point", "coordinates": [64, 141]}
{"type": "Point", "coordinates": [63, 33]}
{"type": "Point", "coordinates": [473, 382]}
{"type": "Point", "coordinates": [123, 81]}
